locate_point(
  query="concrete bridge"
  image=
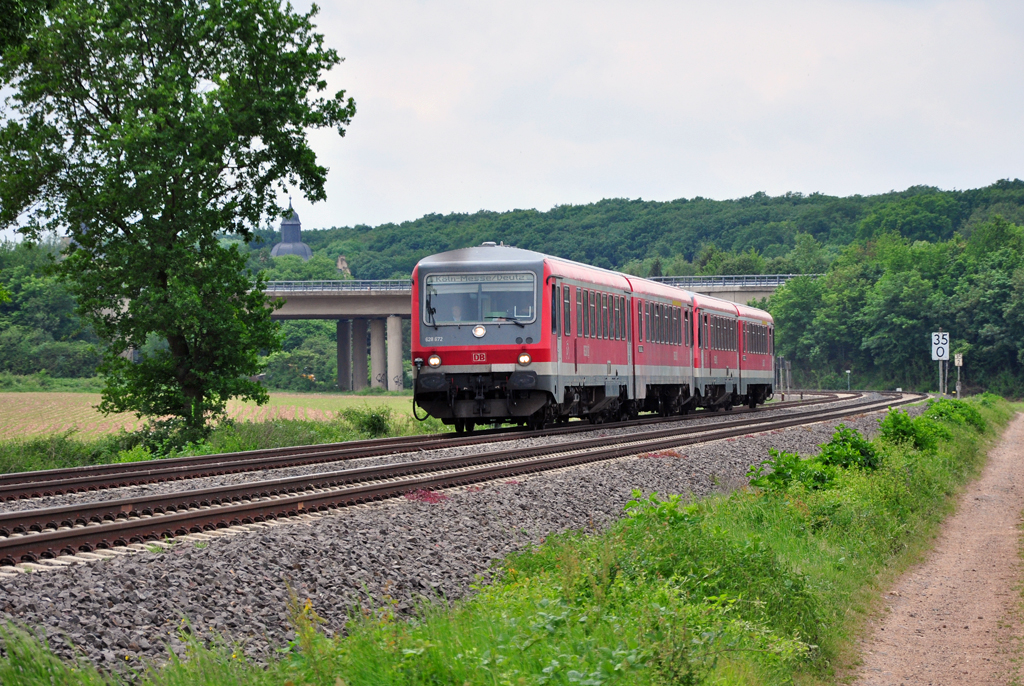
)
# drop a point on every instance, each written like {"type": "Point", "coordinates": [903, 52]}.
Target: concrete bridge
{"type": "Point", "coordinates": [379, 306]}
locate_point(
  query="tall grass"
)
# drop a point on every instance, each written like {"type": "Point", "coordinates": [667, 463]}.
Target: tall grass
{"type": "Point", "coordinates": [761, 586]}
{"type": "Point", "coordinates": [69, 449]}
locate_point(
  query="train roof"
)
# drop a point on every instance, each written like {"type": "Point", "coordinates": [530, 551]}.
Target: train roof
{"type": "Point", "coordinates": [503, 255]}
{"type": "Point", "coordinates": [507, 256]}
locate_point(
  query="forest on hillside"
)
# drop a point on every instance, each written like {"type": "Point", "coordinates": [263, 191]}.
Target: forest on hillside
{"type": "Point", "coordinates": [897, 265]}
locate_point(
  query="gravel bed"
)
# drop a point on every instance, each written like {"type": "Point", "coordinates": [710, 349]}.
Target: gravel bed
{"type": "Point", "coordinates": [268, 474]}
{"type": "Point", "coordinates": [132, 606]}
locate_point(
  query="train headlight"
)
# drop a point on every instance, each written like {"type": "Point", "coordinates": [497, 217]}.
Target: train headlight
{"type": "Point", "coordinates": [525, 359]}
{"type": "Point", "coordinates": [434, 361]}
{"type": "Point", "coordinates": [479, 331]}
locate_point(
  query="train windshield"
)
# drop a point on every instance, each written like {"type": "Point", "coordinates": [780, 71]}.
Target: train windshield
{"type": "Point", "coordinates": [479, 298]}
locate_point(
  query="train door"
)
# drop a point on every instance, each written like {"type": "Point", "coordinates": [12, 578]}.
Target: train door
{"type": "Point", "coordinates": [568, 343]}
{"type": "Point", "coordinates": [639, 371]}
{"type": "Point", "coordinates": [556, 337]}
{"type": "Point", "coordinates": [705, 354]}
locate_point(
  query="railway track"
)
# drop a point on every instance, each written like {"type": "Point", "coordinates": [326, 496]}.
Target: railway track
{"type": "Point", "coordinates": [25, 485]}
{"type": "Point", "coordinates": [47, 533]}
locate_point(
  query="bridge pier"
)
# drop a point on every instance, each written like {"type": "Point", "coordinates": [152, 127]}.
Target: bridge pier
{"type": "Point", "coordinates": [358, 354]}
{"type": "Point", "coordinates": [378, 374]}
{"type": "Point", "coordinates": [396, 376]}
{"type": "Point", "coordinates": [344, 328]}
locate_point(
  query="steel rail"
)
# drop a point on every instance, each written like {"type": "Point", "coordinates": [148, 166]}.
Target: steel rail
{"type": "Point", "coordinates": [97, 477]}
{"type": "Point", "coordinates": [40, 519]}
{"type": "Point", "coordinates": [141, 527]}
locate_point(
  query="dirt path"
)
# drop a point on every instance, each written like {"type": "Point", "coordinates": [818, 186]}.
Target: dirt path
{"type": "Point", "coordinates": [951, 619]}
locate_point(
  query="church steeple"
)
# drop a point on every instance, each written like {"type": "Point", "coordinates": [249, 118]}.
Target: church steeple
{"type": "Point", "coordinates": [291, 237]}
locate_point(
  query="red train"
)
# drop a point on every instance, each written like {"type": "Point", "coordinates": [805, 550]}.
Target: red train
{"type": "Point", "coordinates": [501, 334]}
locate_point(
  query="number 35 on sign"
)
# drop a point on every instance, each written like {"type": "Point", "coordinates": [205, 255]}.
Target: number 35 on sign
{"type": "Point", "coordinates": [940, 346]}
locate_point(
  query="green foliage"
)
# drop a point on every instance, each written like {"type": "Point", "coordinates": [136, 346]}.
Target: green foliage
{"type": "Point", "coordinates": [191, 120]}
{"type": "Point", "coordinates": [882, 297]}
{"type": "Point", "coordinates": [374, 421]}
{"type": "Point", "coordinates": [42, 381]}
{"type": "Point", "coordinates": [921, 432]}
{"type": "Point", "coordinates": [847, 449]}
{"type": "Point", "coordinates": [956, 412]}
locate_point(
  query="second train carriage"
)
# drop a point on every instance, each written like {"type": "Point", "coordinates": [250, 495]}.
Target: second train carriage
{"type": "Point", "coordinates": [502, 334]}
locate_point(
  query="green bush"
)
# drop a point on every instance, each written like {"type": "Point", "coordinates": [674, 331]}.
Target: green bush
{"type": "Point", "coordinates": [955, 412]}
{"type": "Point", "coordinates": [922, 432]}
{"type": "Point", "coordinates": [373, 421]}
{"type": "Point", "coordinates": [848, 449]}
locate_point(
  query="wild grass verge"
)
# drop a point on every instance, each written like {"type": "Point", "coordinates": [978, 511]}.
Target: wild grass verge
{"type": "Point", "coordinates": [762, 586]}
{"type": "Point", "coordinates": [68, 449]}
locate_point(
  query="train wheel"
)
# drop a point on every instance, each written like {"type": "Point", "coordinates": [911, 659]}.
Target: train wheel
{"type": "Point", "coordinates": [752, 401]}
{"type": "Point", "coordinates": [460, 426]}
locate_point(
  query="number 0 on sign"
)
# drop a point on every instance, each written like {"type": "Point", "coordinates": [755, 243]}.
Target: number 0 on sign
{"type": "Point", "coordinates": [940, 345]}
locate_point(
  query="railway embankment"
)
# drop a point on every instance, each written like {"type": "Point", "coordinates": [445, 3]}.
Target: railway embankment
{"type": "Point", "coordinates": [557, 587]}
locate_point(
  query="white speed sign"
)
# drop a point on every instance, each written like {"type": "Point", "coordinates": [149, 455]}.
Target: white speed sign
{"type": "Point", "coordinates": [940, 345]}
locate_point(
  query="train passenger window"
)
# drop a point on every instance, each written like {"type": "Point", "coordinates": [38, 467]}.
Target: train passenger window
{"type": "Point", "coordinates": [567, 310]}
{"type": "Point", "coordinates": [626, 318]}
{"type": "Point", "coordinates": [675, 326]}
{"type": "Point", "coordinates": [647, 315]}
{"type": "Point", "coordinates": [687, 332]}
{"type": "Point", "coordinates": [554, 308]}
{"type": "Point", "coordinates": [579, 311]}
{"type": "Point", "coordinates": [657, 323]}
{"type": "Point", "coordinates": [640, 320]}
{"type": "Point", "coordinates": [624, 315]}
{"type": "Point", "coordinates": [588, 314]}
{"type": "Point", "coordinates": [619, 320]}
{"type": "Point", "coordinates": [771, 340]}
{"type": "Point", "coordinates": [611, 316]}
{"type": "Point", "coordinates": [607, 309]}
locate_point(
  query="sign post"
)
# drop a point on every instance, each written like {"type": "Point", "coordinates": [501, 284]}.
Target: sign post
{"type": "Point", "coordinates": [940, 352]}
{"type": "Point", "coordinates": [958, 360]}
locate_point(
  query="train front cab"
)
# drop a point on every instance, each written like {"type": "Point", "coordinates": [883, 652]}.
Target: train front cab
{"type": "Point", "coordinates": [481, 347]}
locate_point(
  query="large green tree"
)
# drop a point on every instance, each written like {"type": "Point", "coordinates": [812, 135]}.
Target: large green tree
{"type": "Point", "coordinates": [143, 129]}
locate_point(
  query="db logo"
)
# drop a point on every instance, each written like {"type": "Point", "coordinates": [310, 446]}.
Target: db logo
{"type": "Point", "coordinates": [479, 357]}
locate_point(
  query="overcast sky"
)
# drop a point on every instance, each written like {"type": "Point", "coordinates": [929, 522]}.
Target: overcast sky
{"type": "Point", "coordinates": [498, 105]}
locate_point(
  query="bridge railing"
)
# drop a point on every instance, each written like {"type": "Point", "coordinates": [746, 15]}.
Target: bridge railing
{"type": "Point", "coordinates": [365, 285]}
{"type": "Point", "coordinates": [748, 280]}
{"type": "Point", "coordinates": [348, 285]}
